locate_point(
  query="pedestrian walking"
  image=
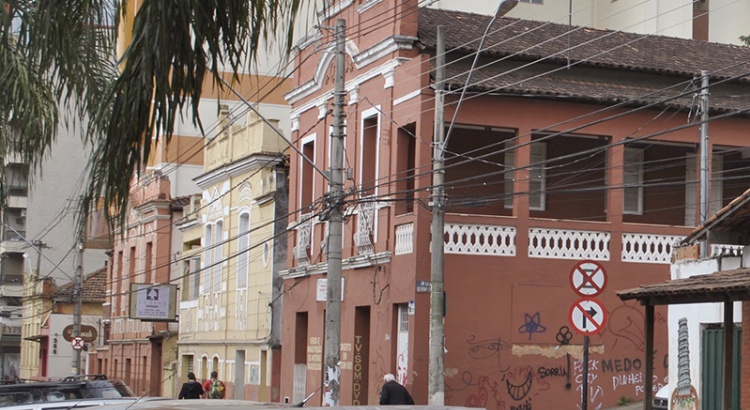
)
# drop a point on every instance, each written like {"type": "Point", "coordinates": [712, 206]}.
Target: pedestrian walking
{"type": "Point", "coordinates": [393, 392]}
{"type": "Point", "coordinates": [191, 389]}
{"type": "Point", "coordinates": [214, 387]}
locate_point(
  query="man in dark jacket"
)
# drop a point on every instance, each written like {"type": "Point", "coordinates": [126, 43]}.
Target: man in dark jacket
{"type": "Point", "coordinates": [191, 389]}
{"type": "Point", "coordinates": [393, 392]}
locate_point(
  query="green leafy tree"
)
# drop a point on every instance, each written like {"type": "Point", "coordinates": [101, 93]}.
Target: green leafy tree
{"type": "Point", "coordinates": [60, 54]}
{"type": "Point", "coordinates": [745, 39]}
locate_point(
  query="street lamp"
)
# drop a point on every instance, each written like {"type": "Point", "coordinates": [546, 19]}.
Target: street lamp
{"type": "Point", "coordinates": [436, 373]}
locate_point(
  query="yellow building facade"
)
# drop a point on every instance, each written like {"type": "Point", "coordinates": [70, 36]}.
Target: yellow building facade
{"type": "Point", "coordinates": [232, 255]}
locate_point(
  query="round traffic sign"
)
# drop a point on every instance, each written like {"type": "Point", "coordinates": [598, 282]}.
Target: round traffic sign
{"type": "Point", "coordinates": [77, 343]}
{"type": "Point", "coordinates": [588, 278]}
{"type": "Point", "coordinates": [587, 316]}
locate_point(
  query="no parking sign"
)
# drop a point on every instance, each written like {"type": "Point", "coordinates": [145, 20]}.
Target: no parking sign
{"type": "Point", "coordinates": [588, 278]}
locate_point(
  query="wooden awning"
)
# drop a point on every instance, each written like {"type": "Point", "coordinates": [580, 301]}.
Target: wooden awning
{"type": "Point", "coordinates": [723, 286]}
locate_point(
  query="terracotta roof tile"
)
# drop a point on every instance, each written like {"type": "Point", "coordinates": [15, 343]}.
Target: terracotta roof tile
{"type": "Point", "coordinates": [94, 287]}
{"type": "Point", "coordinates": [644, 64]}
{"type": "Point", "coordinates": [716, 287]}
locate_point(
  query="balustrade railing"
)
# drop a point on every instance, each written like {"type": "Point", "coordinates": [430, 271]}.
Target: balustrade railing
{"type": "Point", "coordinates": [726, 250]}
{"type": "Point", "coordinates": [480, 239]}
{"type": "Point", "coordinates": [404, 239]}
{"type": "Point", "coordinates": [568, 244]}
{"type": "Point", "coordinates": [648, 248]}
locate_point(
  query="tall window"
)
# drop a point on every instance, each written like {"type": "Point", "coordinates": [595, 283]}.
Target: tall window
{"type": "Point", "coordinates": [192, 278]}
{"type": "Point", "coordinates": [368, 169]}
{"type": "Point", "coordinates": [149, 273]}
{"type": "Point", "coordinates": [405, 164]}
{"type": "Point", "coordinates": [208, 261]}
{"type": "Point", "coordinates": [117, 281]}
{"type": "Point", "coordinates": [632, 199]}
{"type": "Point", "coordinates": [243, 250]}
{"type": "Point", "coordinates": [307, 173]}
{"type": "Point", "coordinates": [218, 255]}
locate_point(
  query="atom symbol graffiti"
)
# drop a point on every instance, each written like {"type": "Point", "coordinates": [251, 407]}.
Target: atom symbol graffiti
{"type": "Point", "coordinates": [532, 324]}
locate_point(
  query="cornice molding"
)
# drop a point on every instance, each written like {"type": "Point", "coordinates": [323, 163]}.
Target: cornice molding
{"type": "Point", "coordinates": [386, 70]}
{"type": "Point", "coordinates": [361, 60]}
{"type": "Point", "coordinates": [249, 163]}
{"type": "Point", "coordinates": [355, 262]}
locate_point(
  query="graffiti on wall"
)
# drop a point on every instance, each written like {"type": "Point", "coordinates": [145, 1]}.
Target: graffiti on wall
{"type": "Point", "coordinates": [532, 324]}
{"type": "Point", "coordinates": [564, 336]}
{"type": "Point", "coordinates": [486, 349]}
{"type": "Point", "coordinates": [502, 376]}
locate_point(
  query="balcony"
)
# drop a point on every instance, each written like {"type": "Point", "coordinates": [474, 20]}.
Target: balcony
{"type": "Point", "coordinates": [13, 241]}
{"type": "Point", "coordinates": [12, 286]}
{"type": "Point", "coordinates": [18, 195]}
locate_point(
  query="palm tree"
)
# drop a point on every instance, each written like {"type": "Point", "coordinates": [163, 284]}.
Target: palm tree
{"type": "Point", "coordinates": [61, 54]}
{"type": "Point", "coordinates": [52, 55]}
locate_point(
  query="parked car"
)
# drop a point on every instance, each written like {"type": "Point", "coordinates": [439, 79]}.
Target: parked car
{"type": "Point", "coordinates": [71, 388]}
{"type": "Point", "coordinates": [661, 398]}
{"type": "Point", "coordinates": [122, 402]}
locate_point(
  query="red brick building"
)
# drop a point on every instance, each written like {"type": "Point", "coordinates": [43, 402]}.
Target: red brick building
{"type": "Point", "coordinates": [569, 145]}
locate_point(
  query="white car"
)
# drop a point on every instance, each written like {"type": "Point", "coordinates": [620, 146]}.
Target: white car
{"type": "Point", "coordinates": [661, 398]}
{"type": "Point", "coordinates": [75, 404]}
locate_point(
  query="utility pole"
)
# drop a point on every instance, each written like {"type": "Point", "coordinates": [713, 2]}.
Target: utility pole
{"type": "Point", "coordinates": [705, 156]}
{"type": "Point", "coordinates": [75, 366]}
{"type": "Point", "coordinates": [336, 222]}
{"type": "Point", "coordinates": [38, 245]}
{"type": "Point", "coordinates": [436, 387]}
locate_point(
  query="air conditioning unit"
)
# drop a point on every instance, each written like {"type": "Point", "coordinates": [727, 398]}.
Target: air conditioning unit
{"type": "Point", "coordinates": [23, 213]}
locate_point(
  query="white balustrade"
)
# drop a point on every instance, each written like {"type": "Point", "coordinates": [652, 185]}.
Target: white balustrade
{"type": "Point", "coordinates": [568, 244]}
{"type": "Point", "coordinates": [648, 248]}
{"type": "Point", "coordinates": [726, 250]}
{"type": "Point", "coordinates": [303, 239]}
{"type": "Point", "coordinates": [404, 239]}
{"type": "Point", "coordinates": [365, 226]}
{"type": "Point", "coordinates": [480, 240]}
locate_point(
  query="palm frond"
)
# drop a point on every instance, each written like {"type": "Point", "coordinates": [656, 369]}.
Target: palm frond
{"type": "Point", "coordinates": [177, 49]}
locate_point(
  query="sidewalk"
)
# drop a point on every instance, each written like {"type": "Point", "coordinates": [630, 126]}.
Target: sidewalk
{"type": "Point", "coordinates": [632, 406]}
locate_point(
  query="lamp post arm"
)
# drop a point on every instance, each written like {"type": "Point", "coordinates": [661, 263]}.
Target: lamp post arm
{"type": "Point", "coordinates": [502, 8]}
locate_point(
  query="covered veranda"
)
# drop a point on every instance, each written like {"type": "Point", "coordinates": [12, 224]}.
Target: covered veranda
{"type": "Point", "coordinates": [724, 287]}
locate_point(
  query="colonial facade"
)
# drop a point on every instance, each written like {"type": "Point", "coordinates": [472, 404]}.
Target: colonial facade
{"type": "Point", "coordinates": [233, 248]}
{"type": "Point", "coordinates": [559, 154]}
{"type": "Point", "coordinates": [141, 353]}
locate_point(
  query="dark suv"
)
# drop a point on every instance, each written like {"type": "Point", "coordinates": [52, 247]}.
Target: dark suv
{"type": "Point", "coordinates": [70, 388]}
